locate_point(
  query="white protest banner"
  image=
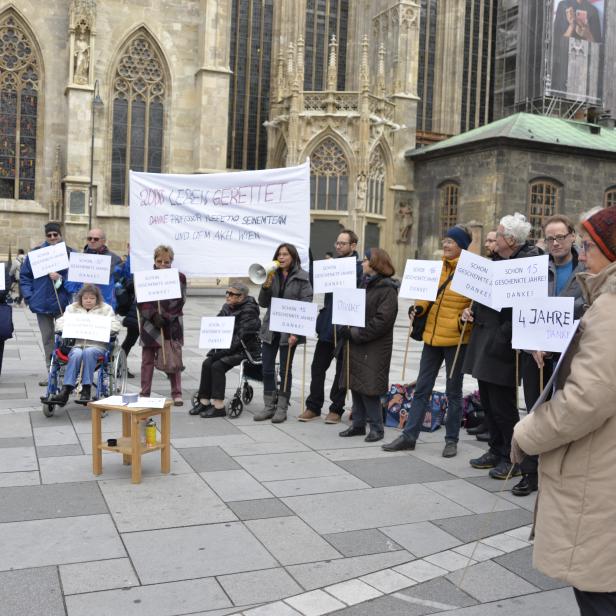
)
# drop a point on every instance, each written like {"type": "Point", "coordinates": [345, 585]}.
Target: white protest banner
{"type": "Point", "coordinates": [220, 223]}
{"type": "Point", "coordinates": [48, 259]}
{"type": "Point", "coordinates": [85, 267]}
{"type": "Point", "coordinates": [349, 307]}
{"type": "Point", "coordinates": [216, 332]}
{"type": "Point", "coordinates": [516, 279]}
{"type": "Point", "coordinates": [331, 274]}
{"type": "Point", "coordinates": [86, 326]}
{"type": "Point", "coordinates": [421, 278]}
{"type": "Point", "coordinates": [2, 277]}
{"type": "Point", "coordinates": [542, 324]}
{"type": "Point", "coordinates": [155, 285]}
{"type": "Point", "coordinates": [473, 278]}
{"type": "Point", "coordinates": [292, 317]}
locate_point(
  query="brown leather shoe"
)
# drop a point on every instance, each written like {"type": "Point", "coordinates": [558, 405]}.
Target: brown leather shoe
{"type": "Point", "coordinates": [308, 415]}
{"type": "Point", "coordinates": [332, 418]}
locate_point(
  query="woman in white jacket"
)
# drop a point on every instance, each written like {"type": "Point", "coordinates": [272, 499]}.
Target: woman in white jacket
{"type": "Point", "coordinates": [85, 353]}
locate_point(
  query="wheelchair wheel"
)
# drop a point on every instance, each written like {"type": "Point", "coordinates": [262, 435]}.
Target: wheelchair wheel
{"type": "Point", "coordinates": [247, 393]}
{"type": "Point", "coordinates": [48, 410]}
{"type": "Point", "coordinates": [237, 406]}
{"type": "Point", "coordinates": [117, 380]}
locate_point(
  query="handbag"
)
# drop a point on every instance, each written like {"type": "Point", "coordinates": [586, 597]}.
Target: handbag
{"type": "Point", "coordinates": [172, 360]}
{"type": "Point", "coordinates": [419, 323]}
{"type": "Point", "coordinates": [6, 322]}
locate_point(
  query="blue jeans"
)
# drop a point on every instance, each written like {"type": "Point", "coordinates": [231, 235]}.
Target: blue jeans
{"type": "Point", "coordinates": [431, 361]}
{"type": "Point", "coordinates": [89, 357]}
{"type": "Point", "coordinates": [268, 357]}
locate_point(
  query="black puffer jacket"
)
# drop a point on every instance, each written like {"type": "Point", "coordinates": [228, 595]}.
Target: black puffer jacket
{"type": "Point", "coordinates": [371, 346]}
{"type": "Point", "coordinates": [489, 356]}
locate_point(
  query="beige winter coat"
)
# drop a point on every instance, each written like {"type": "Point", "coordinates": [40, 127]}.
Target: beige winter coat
{"type": "Point", "coordinates": [101, 309]}
{"type": "Point", "coordinates": [575, 435]}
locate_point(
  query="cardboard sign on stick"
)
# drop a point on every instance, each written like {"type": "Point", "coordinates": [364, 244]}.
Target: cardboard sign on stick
{"type": "Point", "coordinates": [155, 285]}
{"type": "Point", "coordinates": [216, 332]}
{"type": "Point", "coordinates": [473, 278]}
{"type": "Point", "coordinates": [292, 317]}
{"type": "Point", "coordinates": [86, 326]}
{"type": "Point", "coordinates": [331, 274]}
{"type": "Point", "coordinates": [349, 307]}
{"type": "Point", "coordinates": [420, 280]}
{"type": "Point", "coordinates": [89, 268]}
{"type": "Point", "coordinates": [48, 259]}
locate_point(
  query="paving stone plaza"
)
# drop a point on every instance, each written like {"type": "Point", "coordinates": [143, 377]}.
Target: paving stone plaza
{"type": "Point", "coordinates": [254, 518]}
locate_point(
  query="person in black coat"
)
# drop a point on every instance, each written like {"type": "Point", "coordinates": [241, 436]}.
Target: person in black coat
{"type": "Point", "coordinates": [211, 396]}
{"type": "Point", "coordinates": [8, 322]}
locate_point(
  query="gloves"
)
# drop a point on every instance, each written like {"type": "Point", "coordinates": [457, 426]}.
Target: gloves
{"type": "Point", "coordinates": [344, 333]}
{"type": "Point", "coordinates": [157, 321]}
{"type": "Point", "coordinates": [517, 455]}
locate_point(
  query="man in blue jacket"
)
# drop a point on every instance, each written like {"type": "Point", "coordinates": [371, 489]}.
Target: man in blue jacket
{"type": "Point", "coordinates": [346, 246]}
{"type": "Point", "coordinates": [40, 296]}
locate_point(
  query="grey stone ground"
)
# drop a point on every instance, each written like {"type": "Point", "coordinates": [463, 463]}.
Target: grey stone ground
{"type": "Point", "coordinates": [254, 519]}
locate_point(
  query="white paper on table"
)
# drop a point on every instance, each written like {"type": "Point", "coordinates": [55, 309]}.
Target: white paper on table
{"type": "Point", "coordinates": [290, 316]}
{"type": "Point", "coordinates": [331, 274]}
{"type": "Point", "coordinates": [518, 279]}
{"type": "Point", "coordinates": [142, 402]}
{"type": "Point", "coordinates": [542, 324]}
{"type": "Point", "coordinates": [89, 268]}
{"type": "Point", "coordinates": [349, 307]}
{"type": "Point", "coordinates": [216, 332]}
{"type": "Point", "coordinates": [86, 326]}
{"type": "Point", "coordinates": [155, 285]}
{"type": "Point", "coordinates": [49, 259]}
{"type": "Point", "coordinates": [421, 279]}
{"type": "Point", "coordinates": [473, 278]}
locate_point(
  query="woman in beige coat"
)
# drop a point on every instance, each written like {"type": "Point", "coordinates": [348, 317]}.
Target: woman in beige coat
{"type": "Point", "coordinates": [575, 436]}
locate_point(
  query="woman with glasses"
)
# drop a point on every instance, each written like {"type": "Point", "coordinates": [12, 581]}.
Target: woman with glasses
{"type": "Point", "coordinates": [211, 395]}
{"type": "Point", "coordinates": [162, 322]}
{"type": "Point", "coordinates": [288, 281]}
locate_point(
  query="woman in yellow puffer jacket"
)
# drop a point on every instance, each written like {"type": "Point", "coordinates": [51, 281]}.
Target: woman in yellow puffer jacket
{"type": "Point", "coordinates": [441, 337]}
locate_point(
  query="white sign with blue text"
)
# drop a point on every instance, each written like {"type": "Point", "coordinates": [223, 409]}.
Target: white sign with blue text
{"type": "Point", "coordinates": [421, 279]}
{"type": "Point", "coordinates": [216, 332]}
{"type": "Point", "coordinates": [155, 285]}
{"type": "Point", "coordinates": [331, 274]}
{"type": "Point", "coordinates": [290, 316]}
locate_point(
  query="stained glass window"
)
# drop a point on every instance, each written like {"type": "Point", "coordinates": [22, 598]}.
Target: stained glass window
{"type": "Point", "coordinates": [19, 87]}
{"type": "Point", "coordinates": [139, 96]}
{"type": "Point", "coordinates": [329, 177]}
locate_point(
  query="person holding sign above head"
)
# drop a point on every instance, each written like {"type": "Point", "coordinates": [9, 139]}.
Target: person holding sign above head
{"type": "Point", "coordinates": [47, 296]}
{"type": "Point", "coordinates": [84, 354]}
{"type": "Point", "coordinates": [162, 333]}
{"type": "Point", "coordinates": [491, 360]}
{"type": "Point", "coordinates": [346, 246]}
{"type": "Point", "coordinates": [288, 281]}
{"type": "Point", "coordinates": [368, 355]}
{"type": "Point", "coordinates": [441, 336]}
{"type": "Point", "coordinates": [211, 395]}
{"type": "Point", "coordinates": [574, 434]}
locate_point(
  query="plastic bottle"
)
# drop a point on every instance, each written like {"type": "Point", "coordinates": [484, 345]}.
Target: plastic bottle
{"type": "Point", "coordinates": [150, 433]}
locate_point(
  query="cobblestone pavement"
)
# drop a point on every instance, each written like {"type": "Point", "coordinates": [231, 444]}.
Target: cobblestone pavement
{"type": "Point", "coordinates": [254, 518]}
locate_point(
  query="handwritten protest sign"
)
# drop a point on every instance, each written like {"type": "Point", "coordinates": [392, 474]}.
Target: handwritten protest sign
{"type": "Point", "coordinates": [219, 223]}
{"type": "Point", "coordinates": [518, 279]}
{"type": "Point", "coordinates": [292, 317]}
{"type": "Point", "coordinates": [473, 278]}
{"type": "Point", "coordinates": [331, 274]}
{"type": "Point", "coordinates": [155, 285]}
{"type": "Point", "coordinates": [216, 332]}
{"type": "Point", "coordinates": [542, 324]}
{"type": "Point", "coordinates": [85, 267]}
{"type": "Point", "coordinates": [349, 307]}
{"type": "Point", "coordinates": [421, 278]}
{"type": "Point", "coordinates": [48, 259]}
{"type": "Point", "coordinates": [86, 326]}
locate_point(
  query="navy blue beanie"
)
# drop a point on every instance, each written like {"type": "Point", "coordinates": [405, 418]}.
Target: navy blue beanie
{"type": "Point", "coordinates": [460, 237]}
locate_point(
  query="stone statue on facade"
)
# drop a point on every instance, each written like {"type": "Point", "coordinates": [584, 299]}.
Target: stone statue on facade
{"type": "Point", "coordinates": [405, 222]}
{"type": "Point", "coordinates": [81, 67]}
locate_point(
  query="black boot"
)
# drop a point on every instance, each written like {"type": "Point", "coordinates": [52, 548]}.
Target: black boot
{"type": "Point", "coordinates": [61, 398]}
{"type": "Point", "coordinates": [85, 394]}
{"type": "Point", "coordinates": [479, 429]}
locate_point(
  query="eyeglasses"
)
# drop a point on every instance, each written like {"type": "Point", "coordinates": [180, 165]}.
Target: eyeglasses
{"type": "Point", "coordinates": [586, 245]}
{"type": "Point", "coordinates": [162, 262]}
{"type": "Point", "coordinates": [557, 238]}
{"type": "Point", "coordinates": [93, 239]}
{"type": "Point", "coordinates": [232, 294]}
{"type": "Point", "coordinates": [448, 242]}
{"type": "Point", "coordinates": [52, 234]}
{"type": "Point", "coordinates": [342, 243]}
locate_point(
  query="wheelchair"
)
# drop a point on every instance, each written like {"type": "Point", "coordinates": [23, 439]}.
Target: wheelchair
{"type": "Point", "coordinates": [109, 376]}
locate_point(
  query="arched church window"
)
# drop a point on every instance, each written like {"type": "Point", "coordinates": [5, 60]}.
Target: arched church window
{"type": "Point", "coordinates": [376, 183]}
{"type": "Point", "coordinates": [19, 92]}
{"type": "Point", "coordinates": [610, 197]}
{"type": "Point", "coordinates": [139, 96]}
{"type": "Point", "coordinates": [450, 195]}
{"type": "Point", "coordinates": [329, 177]}
{"type": "Point", "coordinates": [543, 203]}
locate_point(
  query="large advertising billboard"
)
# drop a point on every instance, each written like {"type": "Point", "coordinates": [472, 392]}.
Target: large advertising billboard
{"type": "Point", "coordinates": [577, 50]}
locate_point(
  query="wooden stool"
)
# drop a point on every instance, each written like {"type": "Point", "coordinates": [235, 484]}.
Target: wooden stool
{"type": "Point", "coordinates": [130, 445]}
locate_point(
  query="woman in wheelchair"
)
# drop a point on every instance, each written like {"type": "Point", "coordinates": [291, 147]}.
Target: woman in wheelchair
{"type": "Point", "coordinates": [211, 396]}
{"type": "Point", "coordinates": [84, 354]}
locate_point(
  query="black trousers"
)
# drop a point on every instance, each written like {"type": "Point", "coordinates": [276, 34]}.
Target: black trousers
{"type": "Point", "coordinates": [502, 415]}
{"type": "Point", "coordinates": [132, 335]}
{"type": "Point", "coordinates": [321, 361]}
{"type": "Point", "coordinates": [595, 603]}
{"type": "Point", "coordinates": [1, 354]}
{"type": "Point", "coordinates": [213, 378]}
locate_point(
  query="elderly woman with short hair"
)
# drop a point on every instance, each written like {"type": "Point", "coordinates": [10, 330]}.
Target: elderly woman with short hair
{"type": "Point", "coordinates": [239, 304]}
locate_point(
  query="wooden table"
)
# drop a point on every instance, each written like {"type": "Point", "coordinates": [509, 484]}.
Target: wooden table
{"type": "Point", "coordinates": [130, 445]}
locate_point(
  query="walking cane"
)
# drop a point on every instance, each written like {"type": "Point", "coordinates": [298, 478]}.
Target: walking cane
{"type": "Point", "coordinates": [57, 297]}
{"type": "Point", "coordinates": [541, 384]}
{"type": "Point", "coordinates": [455, 357]}
{"type": "Point", "coordinates": [162, 337]}
{"type": "Point", "coordinates": [517, 378]}
{"type": "Point", "coordinates": [304, 380]}
{"type": "Point", "coordinates": [286, 369]}
{"type": "Point", "coordinates": [348, 368]}
{"type": "Point", "coordinates": [406, 350]}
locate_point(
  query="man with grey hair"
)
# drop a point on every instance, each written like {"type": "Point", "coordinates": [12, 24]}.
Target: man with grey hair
{"type": "Point", "coordinates": [491, 360]}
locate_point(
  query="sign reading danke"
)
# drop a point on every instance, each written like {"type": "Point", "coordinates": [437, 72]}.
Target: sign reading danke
{"type": "Point", "coordinates": [421, 278]}
{"type": "Point", "coordinates": [86, 326]}
{"type": "Point", "coordinates": [216, 332]}
{"type": "Point", "coordinates": [331, 274]}
{"type": "Point", "coordinates": [473, 278]}
{"type": "Point", "coordinates": [48, 259]}
{"type": "Point", "coordinates": [85, 267]}
{"type": "Point", "coordinates": [349, 307]}
{"type": "Point", "coordinates": [155, 285]}
{"type": "Point", "coordinates": [519, 279]}
{"type": "Point", "coordinates": [292, 317]}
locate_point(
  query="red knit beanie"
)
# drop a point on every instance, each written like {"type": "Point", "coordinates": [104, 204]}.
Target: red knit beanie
{"type": "Point", "coordinates": [602, 228]}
